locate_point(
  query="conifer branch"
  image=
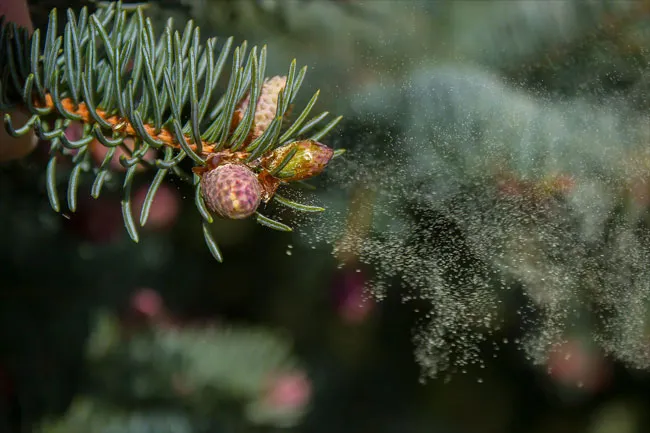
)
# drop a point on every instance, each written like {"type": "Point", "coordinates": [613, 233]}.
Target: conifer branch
{"type": "Point", "coordinates": [130, 90]}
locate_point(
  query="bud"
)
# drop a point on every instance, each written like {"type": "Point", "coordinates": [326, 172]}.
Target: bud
{"type": "Point", "coordinates": [231, 191]}
{"type": "Point", "coordinates": [310, 159]}
{"type": "Point", "coordinates": [266, 107]}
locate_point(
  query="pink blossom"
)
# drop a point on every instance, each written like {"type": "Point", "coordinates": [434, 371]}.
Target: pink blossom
{"type": "Point", "coordinates": [290, 391]}
{"type": "Point", "coordinates": [147, 302]}
{"type": "Point", "coordinates": [352, 304]}
{"type": "Point", "coordinates": [573, 364]}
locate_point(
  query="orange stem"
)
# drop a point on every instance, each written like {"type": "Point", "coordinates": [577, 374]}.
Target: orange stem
{"type": "Point", "coordinates": [122, 124]}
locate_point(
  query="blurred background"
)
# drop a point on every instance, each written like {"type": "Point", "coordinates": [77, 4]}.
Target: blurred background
{"type": "Point", "coordinates": [482, 265]}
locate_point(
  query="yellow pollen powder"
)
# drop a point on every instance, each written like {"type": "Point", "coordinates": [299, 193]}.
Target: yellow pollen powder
{"type": "Point", "coordinates": [235, 201]}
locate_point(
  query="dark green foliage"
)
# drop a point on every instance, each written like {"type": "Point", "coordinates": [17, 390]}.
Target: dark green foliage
{"type": "Point", "coordinates": [180, 376]}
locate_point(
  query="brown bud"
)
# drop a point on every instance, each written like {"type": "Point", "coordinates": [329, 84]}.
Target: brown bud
{"type": "Point", "coordinates": [310, 159]}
